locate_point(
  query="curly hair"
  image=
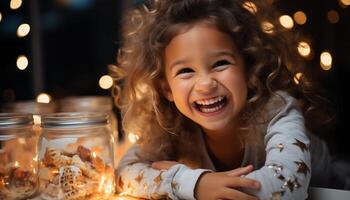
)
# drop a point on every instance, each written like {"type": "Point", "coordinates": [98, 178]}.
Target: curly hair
{"type": "Point", "coordinates": [269, 52]}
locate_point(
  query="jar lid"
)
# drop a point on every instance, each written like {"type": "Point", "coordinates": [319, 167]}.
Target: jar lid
{"type": "Point", "coordinates": [8, 120]}
{"type": "Point", "coordinates": [73, 119]}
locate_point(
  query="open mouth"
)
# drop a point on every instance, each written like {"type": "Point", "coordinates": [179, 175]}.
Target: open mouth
{"type": "Point", "coordinates": [211, 105]}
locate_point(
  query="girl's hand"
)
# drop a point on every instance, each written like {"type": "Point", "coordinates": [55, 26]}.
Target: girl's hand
{"type": "Point", "coordinates": [163, 164]}
{"type": "Point", "coordinates": [224, 185]}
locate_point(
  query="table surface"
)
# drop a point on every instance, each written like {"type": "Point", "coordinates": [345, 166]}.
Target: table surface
{"type": "Point", "coordinates": [315, 193]}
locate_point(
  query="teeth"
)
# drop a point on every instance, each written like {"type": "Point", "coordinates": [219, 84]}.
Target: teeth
{"type": "Point", "coordinates": [209, 110]}
{"type": "Point", "coordinates": [209, 101]}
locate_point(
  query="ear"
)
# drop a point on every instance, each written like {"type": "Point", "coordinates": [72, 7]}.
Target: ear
{"type": "Point", "coordinates": [166, 91]}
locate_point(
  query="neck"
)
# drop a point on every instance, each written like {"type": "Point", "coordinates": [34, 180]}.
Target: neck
{"type": "Point", "coordinates": [225, 148]}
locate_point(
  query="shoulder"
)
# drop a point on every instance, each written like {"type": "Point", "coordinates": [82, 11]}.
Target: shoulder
{"type": "Point", "coordinates": [280, 102]}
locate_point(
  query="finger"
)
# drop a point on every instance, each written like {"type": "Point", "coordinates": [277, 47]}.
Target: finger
{"type": "Point", "coordinates": [236, 182]}
{"type": "Point", "coordinates": [229, 193]}
{"type": "Point", "coordinates": [240, 171]}
{"type": "Point", "coordinates": [163, 164]}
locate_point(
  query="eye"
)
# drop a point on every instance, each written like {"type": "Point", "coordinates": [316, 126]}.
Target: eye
{"type": "Point", "coordinates": [221, 63]}
{"type": "Point", "coordinates": [184, 71]}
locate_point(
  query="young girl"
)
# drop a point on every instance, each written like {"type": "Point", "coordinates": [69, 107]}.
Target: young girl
{"type": "Point", "coordinates": [209, 90]}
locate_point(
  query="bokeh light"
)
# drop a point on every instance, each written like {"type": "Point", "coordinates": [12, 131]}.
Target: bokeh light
{"type": "Point", "coordinates": [304, 49]}
{"type": "Point", "coordinates": [300, 17]}
{"type": "Point", "coordinates": [286, 21]}
{"type": "Point", "coordinates": [22, 62]}
{"type": "Point", "coordinates": [106, 82]}
{"type": "Point", "coordinates": [43, 98]}
{"type": "Point", "coordinates": [15, 4]}
{"type": "Point", "coordinates": [326, 60]}
{"type": "Point", "coordinates": [23, 30]}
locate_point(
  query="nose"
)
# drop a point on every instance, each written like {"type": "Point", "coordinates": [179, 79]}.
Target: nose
{"type": "Point", "coordinates": [206, 84]}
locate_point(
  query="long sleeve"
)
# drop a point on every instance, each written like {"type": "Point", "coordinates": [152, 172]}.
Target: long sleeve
{"type": "Point", "coordinates": [287, 169]}
{"type": "Point", "coordinates": [137, 178]}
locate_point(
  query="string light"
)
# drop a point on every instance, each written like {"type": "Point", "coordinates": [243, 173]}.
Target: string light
{"type": "Point", "coordinates": [345, 2]}
{"type": "Point", "coordinates": [132, 137]}
{"type": "Point", "coordinates": [300, 17]}
{"type": "Point", "coordinates": [286, 21]}
{"type": "Point", "coordinates": [43, 98]}
{"type": "Point", "coordinates": [326, 60]}
{"type": "Point", "coordinates": [250, 6]}
{"type": "Point", "coordinates": [304, 49]}
{"type": "Point", "coordinates": [22, 62]}
{"type": "Point", "coordinates": [106, 82]}
{"type": "Point", "coordinates": [267, 27]}
{"type": "Point", "coordinates": [15, 4]}
{"type": "Point", "coordinates": [23, 30]}
{"type": "Point", "coordinates": [297, 77]}
{"type": "Point", "coordinates": [333, 16]}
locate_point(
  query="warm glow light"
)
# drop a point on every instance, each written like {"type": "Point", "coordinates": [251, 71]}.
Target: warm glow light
{"type": "Point", "coordinates": [93, 154]}
{"type": "Point", "coordinates": [300, 17]}
{"type": "Point", "coordinates": [43, 98]}
{"type": "Point", "coordinates": [0, 16]}
{"type": "Point", "coordinates": [297, 77]}
{"type": "Point", "coordinates": [250, 6]}
{"type": "Point", "coordinates": [132, 137]}
{"type": "Point", "coordinates": [326, 60]}
{"type": "Point", "coordinates": [345, 2]}
{"type": "Point", "coordinates": [102, 181]}
{"type": "Point", "coordinates": [267, 27]}
{"type": "Point", "coordinates": [22, 141]}
{"type": "Point", "coordinates": [37, 119]}
{"type": "Point", "coordinates": [23, 30]}
{"type": "Point", "coordinates": [106, 82]}
{"type": "Point", "coordinates": [304, 49]}
{"type": "Point", "coordinates": [333, 16]}
{"type": "Point", "coordinates": [15, 4]}
{"type": "Point", "coordinates": [286, 21]}
{"type": "Point", "coordinates": [22, 62]}
{"type": "Point", "coordinates": [16, 164]}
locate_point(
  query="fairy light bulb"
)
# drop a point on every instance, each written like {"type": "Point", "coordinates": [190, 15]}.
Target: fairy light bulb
{"type": "Point", "coordinates": [297, 77]}
{"type": "Point", "coordinates": [43, 98]}
{"type": "Point", "coordinates": [15, 4]}
{"type": "Point", "coordinates": [106, 82]}
{"type": "Point", "coordinates": [304, 49]}
{"type": "Point", "coordinates": [300, 17]}
{"type": "Point", "coordinates": [22, 62]}
{"type": "Point", "coordinates": [267, 27]}
{"type": "Point", "coordinates": [326, 60]}
{"type": "Point", "coordinates": [286, 21]}
{"type": "Point", "coordinates": [250, 6]}
{"type": "Point", "coordinates": [23, 30]}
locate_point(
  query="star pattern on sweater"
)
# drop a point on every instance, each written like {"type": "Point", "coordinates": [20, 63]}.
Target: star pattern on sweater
{"type": "Point", "coordinates": [276, 195]}
{"type": "Point", "coordinates": [121, 183]}
{"type": "Point", "coordinates": [302, 167]}
{"type": "Point", "coordinates": [139, 177]}
{"type": "Point", "coordinates": [300, 144]}
{"type": "Point", "coordinates": [280, 146]}
{"type": "Point", "coordinates": [158, 179]}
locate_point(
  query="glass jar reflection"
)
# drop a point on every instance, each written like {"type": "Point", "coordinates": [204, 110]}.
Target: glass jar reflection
{"type": "Point", "coordinates": [76, 156]}
{"type": "Point", "coordinates": [18, 157]}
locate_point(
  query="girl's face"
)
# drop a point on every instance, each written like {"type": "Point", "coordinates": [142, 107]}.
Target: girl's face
{"type": "Point", "coordinates": [205, 77]}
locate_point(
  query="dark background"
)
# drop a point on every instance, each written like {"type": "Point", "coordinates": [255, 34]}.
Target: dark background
{"type": "Point", "coordinates": [71, 42]}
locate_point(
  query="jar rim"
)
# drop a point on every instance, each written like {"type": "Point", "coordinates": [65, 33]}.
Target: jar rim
{"type": "Point", "coordinates": [73, 119]}
{"type": "Point", "coordinates": [15, 119]}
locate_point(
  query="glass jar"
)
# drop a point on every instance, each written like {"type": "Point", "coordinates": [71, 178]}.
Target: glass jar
{"type": "Point", "coordinates": [94, 104]}
{"type": "Point", "coordinates": [33, 107]}
{"type": "Point", "coordinates": [76, 156]}
{"type": "Point", "coordinates": [18, 157]}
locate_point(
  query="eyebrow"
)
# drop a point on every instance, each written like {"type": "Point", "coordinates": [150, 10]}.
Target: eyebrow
{"type": "Point", "coordinates": [218, 53]}
{"type": "Point", "coordinates": [178, 62]}
{"type": "Point", "coordinates": [224, 53]}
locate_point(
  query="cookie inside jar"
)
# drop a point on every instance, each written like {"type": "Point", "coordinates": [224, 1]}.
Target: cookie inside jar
{"type": "Point", "coordinates": [76, 157]}
{"type": "Point", "coordinates": [77, 174]}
